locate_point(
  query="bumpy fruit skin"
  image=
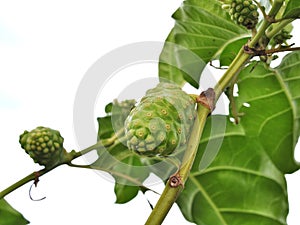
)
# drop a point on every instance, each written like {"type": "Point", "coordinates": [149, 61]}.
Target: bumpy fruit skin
{"type": "Point", "coordinates": [244, 12]}
{"type": "Point", "coordinates": [161, 122]}
{"type": "Point", "coordinates": [44, 145]}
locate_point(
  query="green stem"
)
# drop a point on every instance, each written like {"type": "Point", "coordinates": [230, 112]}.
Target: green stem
{"type": "Point", "coordinates": [239, 61]}
{"type": "Point", "coordinates": [193, 143]}
{"type": "Point", "coordinates": [276, 29]}
{"type": "Point", "coordinates": [114, 173]}
{"type": "Point", "coordinates": [242, 58]}
{"type": "Point", "coordinates": [67, 160]}
{"type": "Point", "coordinates": [170, 194]}
{"type": "Point", "coordinates": [232, 105]}
{"type": "Point", "coordinates": [99, 144]}
{"type": "Point", "coordinates": [234, 68]}
{"type": "Point", "coordinates": [277, 4]}
{"type": "Point", "coordinates": [21, 182]}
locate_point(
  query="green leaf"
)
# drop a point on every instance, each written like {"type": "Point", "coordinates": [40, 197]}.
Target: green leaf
{"type": "Point", "coordinates": [125, 166]}
{"type": "Point", "coordinates": [245, 183]}
{"type": "Point", "coordinates": [201, 31]}
{"type": "Point", "coordinates": [114, 121]}
{"type": "Point", "coordinates": [288, 70]}
{"type": "Point", "coordinates": [10, 216]}
{"type": "Point", "coordinates": [106, 129]}
{"type": "Point", "coordinates": [108, 107]}
{"type": "Point", "coordinates": [292, 9]}
{"type": "Point", "coordinates": [271, 116]}
{"type": "Point", "coordinates": [231, 50]}
{"type": "Point", "coordinates": [125, 193]}
{"type": "Point", "coordinates": [127, 169]}
{"type": "Point", "coordinates": [240, 186]}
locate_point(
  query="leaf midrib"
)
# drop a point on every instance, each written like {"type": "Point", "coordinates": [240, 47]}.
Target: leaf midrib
{"type": "Point", "coordinates": [201, 36]}
{"type": "Point", "coordinates": [290, 100]}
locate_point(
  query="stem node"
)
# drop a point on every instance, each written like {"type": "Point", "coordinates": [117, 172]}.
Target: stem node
{"type": "Point", "coordinates": [175, 180]}
{"type": "Point", "coordinates": [207, 99]}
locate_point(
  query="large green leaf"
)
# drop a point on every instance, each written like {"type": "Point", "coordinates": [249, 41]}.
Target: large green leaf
{"type": "Point", "coordinates": [201, 31]}
{"type": "Point", "coordinates": [10, 216]}
{"type": "Point", "coordinates": [125, 193]}
{"type": "Point", "coordinates": [231, 50]}
{"type": "Point", "coordinates": [245, 182]}
{"type": "Point", "coordinates": [292, 9]}
{"type": "Point", "coordinates": [241, 186]}
{"type": "Point", "coordinates": [289, 72]}
{"type": "Point", "coordinates": [125, 166]}
{"type": "Point", "coordinates": [271, 116]}
{"type": "Point", "coordinates": [116, 115]}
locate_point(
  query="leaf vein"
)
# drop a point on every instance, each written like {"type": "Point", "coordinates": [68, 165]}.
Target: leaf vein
{"type": "Point", "coordinates": [226, 134]}
{"type": "Point", "coordinates": [237, 169]}
{"type": "Point", "coordinates": [296, 97]}
{"type": "Point", "coordinates": [205, 25]}
{"type": "Point", "coordinates": [223, 20]}
{"type": "Point", "coordinates": [270, 118]}
{"type": "Point", "coordinates": [232, 210]}
{"type": "Point", "coordinates": [289, 66]}
{"type": "Point", "coordinates": [289, 96]}
{"type": "Point", "coordinates": [259, 76]}
{"type": "Point", "coordinates": [206, 196]}
{"type": "Point", "coordinates": [291, 79]}
{"type": "Point", "coordinates": [266, 95]}
{"type": "Point", "coordinates": [201, 36]}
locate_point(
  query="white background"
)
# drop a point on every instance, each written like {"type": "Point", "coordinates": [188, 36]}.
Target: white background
{"type": "Point", "coordinates": [45, 49]}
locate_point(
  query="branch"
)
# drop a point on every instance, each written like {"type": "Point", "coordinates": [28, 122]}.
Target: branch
{"type": "Point", "coordinates": [21, 182]}
{"type": "Point", "coordinates": [170, 193]}
{"type": "Point", "coordinates": [176, 182]}
{"type": "Point", "coordinates": [268, 52]}
{"type": "Point", "coordinates": [114, 173]}
{"type": "Point", "coordinates": [67, 160]}
{"type": "Point", "coordinates": [277, 28]}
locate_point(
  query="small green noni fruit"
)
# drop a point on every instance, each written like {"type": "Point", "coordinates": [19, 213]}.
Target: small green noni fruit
{"type": "Point", "coordinates": [161, 121]}
{"type": "Point", "coordinates": [244, 12]}
{"type": "Point", "coordinates": [281, 37]}
{"type": "Point", "coordinates": [44, 145]}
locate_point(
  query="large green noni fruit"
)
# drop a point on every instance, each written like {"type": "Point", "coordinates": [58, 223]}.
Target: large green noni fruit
{"type": "Point", "coordinates": [244, 12]}
{"type": "Point", "coordinates": [44, 145]}
{"type": "Point", "coordinates": [161, 121]}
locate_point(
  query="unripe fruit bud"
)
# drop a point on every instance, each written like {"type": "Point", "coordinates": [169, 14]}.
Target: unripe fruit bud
{"type": "Point", "coordinates": [244, 12]}
{"type": "Point", "coordinates": [44, 145]}
{"type": "Point", "coordinates": [281, 37]}
{"type": "Point", "coordinates": [161, 122]}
